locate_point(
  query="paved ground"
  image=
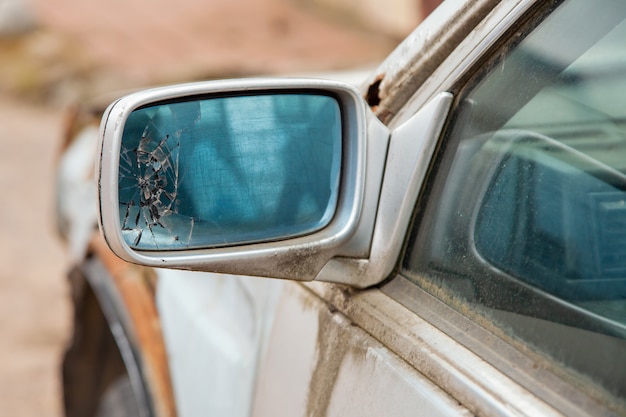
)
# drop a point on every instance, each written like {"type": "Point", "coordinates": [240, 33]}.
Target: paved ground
{"type": "Point", "coordinates": [87, 46]}
{"type": "Point", "coordinates": [34, 313]}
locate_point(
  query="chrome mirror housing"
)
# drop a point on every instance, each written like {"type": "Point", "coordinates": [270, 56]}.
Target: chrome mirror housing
{"type": "Point", "coordinates": [254, 177]}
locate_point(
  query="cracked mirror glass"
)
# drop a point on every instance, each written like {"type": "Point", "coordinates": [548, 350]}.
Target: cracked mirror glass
{"type": "Point", "coordinates": [229, 170]}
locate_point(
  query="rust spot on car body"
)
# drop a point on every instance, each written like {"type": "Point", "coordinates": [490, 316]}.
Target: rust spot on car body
{"type": "Point", "coordinates": [421, 53]}
{"type": "Point", "coordinates": [373, 92]}
{"type": "Point", "coordinates": [136, 286]}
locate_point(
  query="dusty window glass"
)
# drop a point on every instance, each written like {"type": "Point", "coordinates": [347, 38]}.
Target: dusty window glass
{"type": "Point", "coordinates": [524, 219]}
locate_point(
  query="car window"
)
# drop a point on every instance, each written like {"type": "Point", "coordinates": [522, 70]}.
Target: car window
{"type": "Point", "coordinates": [523, 222]}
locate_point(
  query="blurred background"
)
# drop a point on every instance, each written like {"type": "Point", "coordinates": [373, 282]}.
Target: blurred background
{"type": "Point", "coordinates": [56, 53]}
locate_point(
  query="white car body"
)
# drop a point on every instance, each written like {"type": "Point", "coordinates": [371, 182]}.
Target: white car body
{"type": "Point", "coordinates": [245, 346]}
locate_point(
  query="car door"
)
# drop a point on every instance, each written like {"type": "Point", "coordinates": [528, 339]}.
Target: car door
{"type": "Point", "coordinates": [519, 227]}
{"type": "Point", "coordinates": [511, 291]}
{"type": "Point", "coordinates": [490, 250]}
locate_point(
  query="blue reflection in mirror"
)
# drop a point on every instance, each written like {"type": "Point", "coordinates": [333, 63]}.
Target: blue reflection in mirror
{"type": "Point", "coordinates": [229, 170]}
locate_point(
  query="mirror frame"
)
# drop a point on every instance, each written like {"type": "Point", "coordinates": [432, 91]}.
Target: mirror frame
{"type": "Point", "coordinates": [299, 258]}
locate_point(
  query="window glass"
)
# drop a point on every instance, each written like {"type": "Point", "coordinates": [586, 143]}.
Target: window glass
{"type": "Point", "coordinates": [524, 217]}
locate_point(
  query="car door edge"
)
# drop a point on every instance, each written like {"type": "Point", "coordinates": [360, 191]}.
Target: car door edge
{"type": "Point", "coordinates": [477, 384]}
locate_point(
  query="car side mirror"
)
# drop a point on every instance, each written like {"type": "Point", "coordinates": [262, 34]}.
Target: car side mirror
{"type": "Point", "coordinates": [221, 171]}
{"type": "Point", "coordinates": [254, 177]}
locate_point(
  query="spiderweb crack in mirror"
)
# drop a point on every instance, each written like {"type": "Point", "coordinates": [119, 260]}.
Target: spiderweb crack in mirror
{"type": "Point", "coordinates": [149, 180]}
{"type": "Point", "coordinates": [229, 170]}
